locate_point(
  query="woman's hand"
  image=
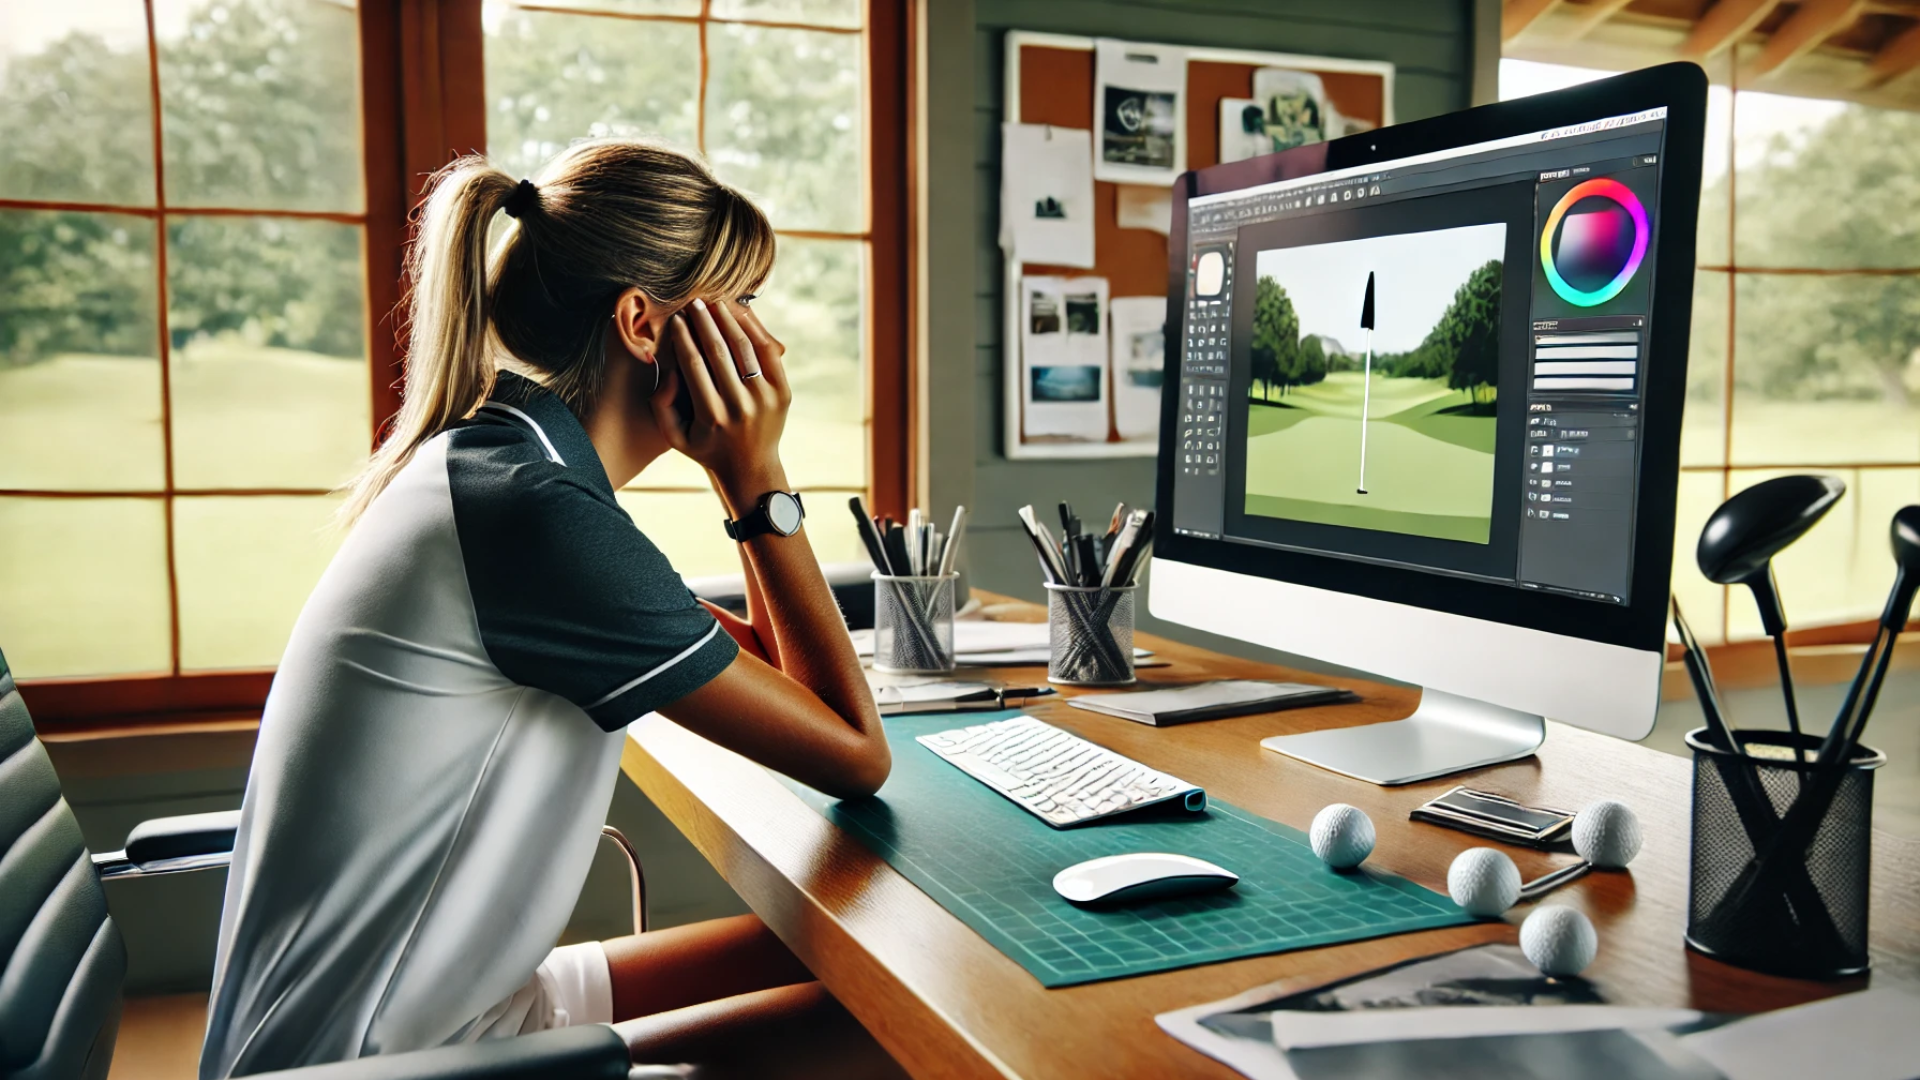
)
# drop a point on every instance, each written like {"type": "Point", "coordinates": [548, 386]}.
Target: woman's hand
{"type": "Point", "coordinates": [737, 386]}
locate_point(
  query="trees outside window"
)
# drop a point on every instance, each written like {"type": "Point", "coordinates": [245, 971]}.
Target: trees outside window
{"type": "Point", "coordinates": [196, 300]}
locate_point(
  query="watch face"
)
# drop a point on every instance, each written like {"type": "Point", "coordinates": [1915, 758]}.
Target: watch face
{"type": "Point", "coordinates": [783, 512]}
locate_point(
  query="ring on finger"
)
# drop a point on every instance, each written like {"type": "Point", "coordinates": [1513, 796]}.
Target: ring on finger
{"type": "Point", "coordinates": [754, 374]}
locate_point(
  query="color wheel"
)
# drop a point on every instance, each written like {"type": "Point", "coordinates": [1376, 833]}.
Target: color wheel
{"type": "Point", "coordinates": [1588, 246]}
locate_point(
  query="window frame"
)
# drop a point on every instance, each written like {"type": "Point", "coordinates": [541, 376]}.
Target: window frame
{"type": "Point", "coordinates": [423, 102]}
{"type": "Point", "coordinates": [1852, 632]}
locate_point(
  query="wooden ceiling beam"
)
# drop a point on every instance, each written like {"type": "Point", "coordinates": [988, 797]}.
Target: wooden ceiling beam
{"type": "Point", "coordinates": [1517, 15]}
{"type": "Point", "coordinates": [1812, 23]}
{"type": "Point", "coordinates": [1895, 58]}
{"type": "Point", "coordinates": [1592, 14]}
{"type": "Point", "coordinates": [1723, 24]}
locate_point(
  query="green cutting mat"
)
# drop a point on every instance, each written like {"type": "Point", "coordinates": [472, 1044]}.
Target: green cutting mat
{"type": "Point", "coordinates": [991, 864]}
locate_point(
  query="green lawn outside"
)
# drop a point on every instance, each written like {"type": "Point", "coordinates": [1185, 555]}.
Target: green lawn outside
{"type": "Point", "coordinates": [83, 582]}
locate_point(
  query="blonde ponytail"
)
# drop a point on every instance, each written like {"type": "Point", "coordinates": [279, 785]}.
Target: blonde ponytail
{"type": "Point", "coordinates": [449, 371]}
{"type": "Point", "coordinates": [602, 217]}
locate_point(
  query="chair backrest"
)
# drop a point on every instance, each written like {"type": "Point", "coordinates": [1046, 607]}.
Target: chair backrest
{"type": "Point", "coordinates": [61, 957]}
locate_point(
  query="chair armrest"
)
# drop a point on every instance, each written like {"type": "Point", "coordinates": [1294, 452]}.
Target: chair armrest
{"type": "Point", "coordinates": [588, 1052]}
{"type": "Point", "coordinates": [171, 845]}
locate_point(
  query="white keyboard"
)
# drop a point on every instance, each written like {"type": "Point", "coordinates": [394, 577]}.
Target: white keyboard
{"type": "Point", "coordinates": [1059, 778]}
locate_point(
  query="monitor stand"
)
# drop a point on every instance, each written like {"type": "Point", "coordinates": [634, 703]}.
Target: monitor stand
{"type": "Point", "coordinates": [1446, 734]}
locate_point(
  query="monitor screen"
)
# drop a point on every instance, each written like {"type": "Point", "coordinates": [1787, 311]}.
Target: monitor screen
{"type": "Point", "coordinates": [1436, 363]}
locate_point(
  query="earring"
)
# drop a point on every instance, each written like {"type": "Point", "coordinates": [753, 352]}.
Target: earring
{"type": "Point", "coordinates": [654, 359]}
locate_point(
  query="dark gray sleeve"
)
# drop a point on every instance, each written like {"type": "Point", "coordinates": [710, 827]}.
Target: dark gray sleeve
{"type": "Point", "coordinates": [572, 598]}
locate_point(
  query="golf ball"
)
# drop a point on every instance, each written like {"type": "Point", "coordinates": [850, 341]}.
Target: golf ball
{"type": "Point", "coordinates": [1483, 881]}
{"type": "Point", "coordinates": [1342, 836]}
{"type": "Point", "coordinates": [1558, 940]}
{"type": "Point", "coordinates": [1607, 834]}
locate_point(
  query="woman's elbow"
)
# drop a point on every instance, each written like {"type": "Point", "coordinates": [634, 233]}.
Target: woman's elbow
{"type": "Point", "coordinates": [866, 772]}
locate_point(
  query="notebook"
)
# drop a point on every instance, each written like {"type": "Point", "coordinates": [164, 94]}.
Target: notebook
{"type": "Point", "coordinates": [1209, 701]}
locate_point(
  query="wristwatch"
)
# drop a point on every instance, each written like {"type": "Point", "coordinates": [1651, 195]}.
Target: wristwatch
{"type": "Point", "coordinates": [777, 512]}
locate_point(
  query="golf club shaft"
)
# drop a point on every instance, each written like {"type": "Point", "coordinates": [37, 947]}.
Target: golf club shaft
{"type": "Point", "coordinates": [1859, 727]}
{"type": "Point", "coordinates": [1830, 747]}
{"type": "Point", "coordinates": [1786, 691]}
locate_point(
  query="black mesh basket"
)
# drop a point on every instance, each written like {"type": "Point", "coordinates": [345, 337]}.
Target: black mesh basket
{"type": "Point", "coordinates": [1781, 856]}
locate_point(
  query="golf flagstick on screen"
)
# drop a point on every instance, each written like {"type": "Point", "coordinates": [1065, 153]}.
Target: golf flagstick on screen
{"type": "Point", "coordinates": [1429, 378]}
{"type": "Point", "coordinates": [1366, 325]}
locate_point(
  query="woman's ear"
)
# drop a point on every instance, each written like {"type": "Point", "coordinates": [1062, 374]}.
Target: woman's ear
{"type": "Point", "coordinates": [639, 326]}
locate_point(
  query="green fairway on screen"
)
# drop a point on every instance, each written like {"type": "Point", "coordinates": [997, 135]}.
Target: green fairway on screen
{"type": "Point", "coordinates": [1425, 379]}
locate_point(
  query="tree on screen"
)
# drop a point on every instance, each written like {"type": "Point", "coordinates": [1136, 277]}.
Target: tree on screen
{"type": "Point", "coordinates": [1276, 337]}
{"type": "Point", "coordinates": [1469, 336]}
{"type": "Point", "coordinates": [1312, 364]}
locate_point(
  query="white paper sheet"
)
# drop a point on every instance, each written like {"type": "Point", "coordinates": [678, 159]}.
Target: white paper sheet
{"type": "Point", "coordinates": [1305, 1030]}
{"type": "Point", "coordinates": [1139, 104]}
{"type": "Point", "coordinates": [981, 642]}
{"type": "Point", "coordinates": [1063, 358]}
{"type": "Point", "coordinates": [1139, 365]}
{"type": "Point", "coordinates": [1870, 1035]}
{"type": "Point", "coordinates": [1144, 206]}
{"type": "Point", "coordinates": [1046, 194]}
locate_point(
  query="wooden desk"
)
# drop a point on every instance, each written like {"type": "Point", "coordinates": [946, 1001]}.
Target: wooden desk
{"type": "Point", "coordinates": [947, 1004]}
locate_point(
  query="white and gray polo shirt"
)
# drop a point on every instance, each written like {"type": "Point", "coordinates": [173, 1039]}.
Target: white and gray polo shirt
{"type": "Point", "coordinates": [440, 746]}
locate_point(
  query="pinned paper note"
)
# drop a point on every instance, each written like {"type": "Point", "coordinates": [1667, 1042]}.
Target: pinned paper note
{"type": "Point", "coordinates": [1046, 194]}
{"type": "Point", "coordinates": [1139, 364]}
{"type": "Point", "coordinates": [1063, 388]}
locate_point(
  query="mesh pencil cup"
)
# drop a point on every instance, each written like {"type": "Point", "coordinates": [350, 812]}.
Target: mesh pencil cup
{"type": "Point", "coordinates": [1774, 890]}
{"type": "Point", "coordinates": [1091, 634]}
{"type": "Point", "coordinates": [913, 623]}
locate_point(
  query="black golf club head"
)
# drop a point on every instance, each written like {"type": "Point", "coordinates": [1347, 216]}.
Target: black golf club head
{"type": "Point", "coordinates": [1906, 559]}
{"type": "Point", "coordinates": [1742, 537]}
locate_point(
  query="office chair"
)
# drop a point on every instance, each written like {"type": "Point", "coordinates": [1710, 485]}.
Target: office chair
{"type": "Point", "coordinates": [60, 979]}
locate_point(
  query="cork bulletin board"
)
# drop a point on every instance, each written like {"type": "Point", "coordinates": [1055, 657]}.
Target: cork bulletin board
{"type": "Point", "coordinates": [1050, 80]}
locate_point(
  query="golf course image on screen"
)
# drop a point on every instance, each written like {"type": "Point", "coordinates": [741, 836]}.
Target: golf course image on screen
{"type": "Point", "coordinates": [1375, 381]}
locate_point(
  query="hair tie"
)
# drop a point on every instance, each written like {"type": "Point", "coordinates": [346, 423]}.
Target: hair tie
{"type": "Point", "coordinates": [524, 196]}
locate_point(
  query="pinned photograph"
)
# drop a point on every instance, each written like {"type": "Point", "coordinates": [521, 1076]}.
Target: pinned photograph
{"type": "Point", "coordinates": [1066, 384]}
{"type": "Point", "coordinates": [1288, 109]}
{"type": "Point", "coordinates": [1297, 111]}
{"type": "Point", "coordinates": [1083, 313]}
{"type": "Point", "coordinates": [1046, 194]}
{"type": "Point", "coordinates": [1043, 313]}
{"type": "Point", "coordinates": [1139, 99]}
{"type": "Point", "coordinates": [1060, 386]}
{"type": "Point", "coordinates": [1243, 130]}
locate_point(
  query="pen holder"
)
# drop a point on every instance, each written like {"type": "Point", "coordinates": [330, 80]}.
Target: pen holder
{"type": "Point", "coordinates": [1773, 890]}
{"type": "Point", "coordinates": [913, 623]}
{"type": "Point", "coordinates": [1091, 634]}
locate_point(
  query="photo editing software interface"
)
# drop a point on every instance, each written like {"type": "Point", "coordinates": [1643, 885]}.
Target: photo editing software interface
{"type": "Point", "coordinates": [1434, 362]}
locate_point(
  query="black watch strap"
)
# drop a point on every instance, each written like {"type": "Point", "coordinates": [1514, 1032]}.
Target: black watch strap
{"type": "Point", "coordinates": [764, 518]}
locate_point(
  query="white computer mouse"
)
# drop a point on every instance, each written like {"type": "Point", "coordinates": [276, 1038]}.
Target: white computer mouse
{"type": "Point", "coordinates": [1145, 875]}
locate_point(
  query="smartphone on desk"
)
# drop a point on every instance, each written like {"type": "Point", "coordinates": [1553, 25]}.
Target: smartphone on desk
{"type": "Point", "coordinates": [1486, 814]}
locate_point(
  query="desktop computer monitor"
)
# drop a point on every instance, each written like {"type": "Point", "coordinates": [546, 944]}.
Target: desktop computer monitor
{"type": "Point", "coordinates": [1423, 413]}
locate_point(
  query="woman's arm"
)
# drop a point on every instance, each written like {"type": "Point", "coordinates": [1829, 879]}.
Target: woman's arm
{"type": "Point", "coordinates": [755, 632]}
{"type": "Point", "coordinates": [813, 717]}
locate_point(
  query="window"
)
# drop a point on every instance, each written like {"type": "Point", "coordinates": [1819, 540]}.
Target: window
{"type": "Point", "coordinates": [1806, 335]}
{"type": "Point", "coordinates": [772, 92]}
{"type": "Point", "coordinates": [202, 206]}
{"type": "Point", "coordinates": [184, 374]}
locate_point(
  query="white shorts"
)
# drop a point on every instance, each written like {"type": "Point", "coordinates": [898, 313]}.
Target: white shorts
{"type": "Point", "coordinates": [572, 986]}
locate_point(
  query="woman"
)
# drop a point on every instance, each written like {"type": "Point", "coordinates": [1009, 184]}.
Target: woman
{"type": "Point", "coordinates": [440, 746]}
